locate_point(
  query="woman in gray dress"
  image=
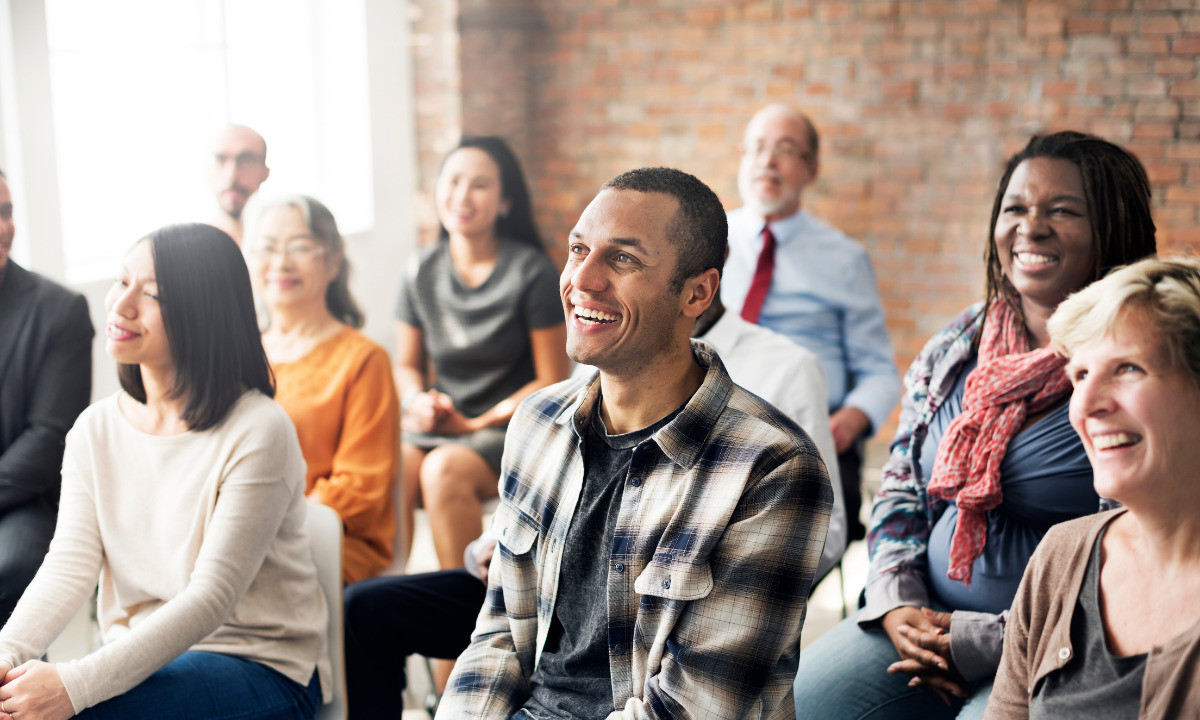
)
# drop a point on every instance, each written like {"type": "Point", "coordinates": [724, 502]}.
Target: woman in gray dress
{"type": "Point", "coordinates": [481, 308]}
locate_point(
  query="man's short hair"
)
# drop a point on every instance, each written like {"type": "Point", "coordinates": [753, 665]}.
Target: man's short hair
{"type": "Point", "coordinates": [699, 229]}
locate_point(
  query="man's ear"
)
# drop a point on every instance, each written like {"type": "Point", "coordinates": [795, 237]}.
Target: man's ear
{"type": "Point", "coordinates": [699, 292]}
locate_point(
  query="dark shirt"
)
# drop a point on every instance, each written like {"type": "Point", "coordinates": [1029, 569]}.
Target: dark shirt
{"type": "Point", "coordinates": [1046, 479]}
{"type": "Point", "coordinates": [1094, 685]}
{"type": "Point", "coordinates": [572, 678]}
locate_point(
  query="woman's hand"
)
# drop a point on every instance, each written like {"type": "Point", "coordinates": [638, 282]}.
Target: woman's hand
{"type": "Point", "coordinates": [922, 639]}
{"type": "Point", "coordinates": [34, 691]}
{"type": "Point", "coordinates": [426, 412]}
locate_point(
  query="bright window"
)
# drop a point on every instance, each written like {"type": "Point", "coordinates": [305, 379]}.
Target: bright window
{"type": "Point", "coordinates": [140, 88]}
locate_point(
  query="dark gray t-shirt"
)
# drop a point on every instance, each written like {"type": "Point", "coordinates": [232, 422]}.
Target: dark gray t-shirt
{"type": "Point", "coordinates": [572, 678]}
{"type": "Point", "coordinates": [1094, 685]}
{"type": "Point", "coordinates": [478, 338]}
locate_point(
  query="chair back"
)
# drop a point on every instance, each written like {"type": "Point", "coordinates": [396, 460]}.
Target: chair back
{"type": "Point", "coordinates": [325, 534]}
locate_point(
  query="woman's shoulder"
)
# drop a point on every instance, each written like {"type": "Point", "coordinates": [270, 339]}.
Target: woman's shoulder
{"type": "Point", "coordinates": [255, 414]}
{"type": "Point", "coordinates": [1066, 541]}
{"type": "Point", "coordinates": [961, 328]}
{"type": "Point", "coordinates": [427, 259]}
{"type": "Point", "coordinates": [97, 416]}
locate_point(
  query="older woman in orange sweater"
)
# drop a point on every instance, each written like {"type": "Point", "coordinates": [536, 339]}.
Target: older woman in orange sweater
{"type": "Point", "coordinates": [334, 383]}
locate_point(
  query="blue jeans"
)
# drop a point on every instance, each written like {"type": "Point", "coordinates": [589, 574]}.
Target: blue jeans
{"type": "Point", "coordinates": [843, 676]}
{"type": "Point", "coordinates": [212, 686]}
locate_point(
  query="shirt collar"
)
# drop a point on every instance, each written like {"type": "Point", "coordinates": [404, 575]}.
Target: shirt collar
{"type": "Point", "coordinates": [725, 331]}
{"type": "Point", "coordinates": [683, 438]}
{"type": "Point", "coordinates": [789, 227]}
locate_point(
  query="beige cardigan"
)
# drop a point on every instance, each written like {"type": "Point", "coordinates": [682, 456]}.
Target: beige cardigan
{"type": "Point", "coordinates": [198, 541]}
{"type": "Point", "coordinates": [1037, 640]}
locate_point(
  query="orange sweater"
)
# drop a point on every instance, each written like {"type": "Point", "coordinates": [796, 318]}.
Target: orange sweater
{"type": "Point", "coordinates": [342, 399]}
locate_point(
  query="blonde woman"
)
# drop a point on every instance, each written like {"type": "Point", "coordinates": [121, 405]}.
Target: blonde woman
{"type": "Point", "coordinates": [1106, 623]}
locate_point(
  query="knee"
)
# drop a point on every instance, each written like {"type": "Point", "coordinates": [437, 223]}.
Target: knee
{"type": "Point", "coordinates": [445, 474]}
{"type": "Point", "coordinates": [358, 608]}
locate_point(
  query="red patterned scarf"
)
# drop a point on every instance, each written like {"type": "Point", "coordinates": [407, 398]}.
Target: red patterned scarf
{"type": "Point", "coordinates": [1009, 383]}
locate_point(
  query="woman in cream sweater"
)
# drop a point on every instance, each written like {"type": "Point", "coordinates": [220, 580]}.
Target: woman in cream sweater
{"type": "Point", "coordinates": [183, 496]}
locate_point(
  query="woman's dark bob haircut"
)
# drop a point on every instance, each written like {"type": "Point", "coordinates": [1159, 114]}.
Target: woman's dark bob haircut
{"type": "Point", "coordinates": [211, 327]}
{"type": "Point", "coordinates": [517, 224]}
{"type": "Point", "coordinates": [1117, 193]}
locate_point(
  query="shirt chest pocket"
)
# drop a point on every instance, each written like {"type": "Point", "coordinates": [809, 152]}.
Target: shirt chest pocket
{"type": "Point", "coordinates": [683, 578]}
{"type": "Point", "coordinates": [515, 530]}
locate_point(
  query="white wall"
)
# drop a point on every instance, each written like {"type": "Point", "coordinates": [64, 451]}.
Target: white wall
{"type": "Point", "coordinates": [27, 139]}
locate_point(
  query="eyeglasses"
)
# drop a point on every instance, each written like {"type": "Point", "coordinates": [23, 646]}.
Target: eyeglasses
{"type": "Point", "coordinates": [785, 151]}
{"type": "Point", "coordinates": [242, 160]}
{"type": "Point", "coordinates": [292, 251]}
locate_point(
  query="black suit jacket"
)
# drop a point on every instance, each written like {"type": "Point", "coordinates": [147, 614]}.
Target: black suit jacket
{"type": "Point", "coordinates": [45, 381]}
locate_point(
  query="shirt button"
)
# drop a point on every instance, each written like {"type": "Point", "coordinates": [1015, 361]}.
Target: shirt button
{"type": "Point", "coordinates": [619, 649]}
{"type": "Point", "coordinates": [635, 481]}
{"type": "Point", "coordinates": [666, 583]}
{"type": "Point", "coordinates": [620, 567]}
{"type": "Point", "coordinates": [1064, 653]}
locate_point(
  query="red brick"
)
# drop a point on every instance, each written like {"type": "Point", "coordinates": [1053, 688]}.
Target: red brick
{"type": "Point", "coordinates": [1057, 88]}
{"type": "Point", "coordinates": [835, 10]}
{"type": "Point", "coordinates": [1160, 25]}
{"type": "Point", "coordinates": [1122, 25]}
{"type": "Point", "coordinates": [1146, 46]}
{"type": "Point", "coordinates": [1175, 66]}
{"type": "Point", "coordinates": [1086, 25]}
{"type": "Point", "coordinates": [906, 90]}
{"type": "Point", "coordinates": [1148, 88]}
{"type": "Point", "coordinates": [1157, 110]}
{"type": "Point", "coordinates": [1186, 45]}
{"type": "Point", "coordinates": [920, 28]}
{"type": "Point", "coordinates": [1156, 130]}
{"type": "Point", "coordinates": [1164, 173]}
{"type": "Point", "coordinates": [1185, 89]}
{"type": "Point", "coordinates": [1178, 193]}
{"type": "Point", "coordinates": [879, 10]}
{"type": "Point", "coordinates": [1129, 66]}
{"type": "Point", "coordinates": [1044, 27]}
{"type": "Point", "coordinates": [703, 15]}
{"type": "Point", "coordinates": [1094, 45]}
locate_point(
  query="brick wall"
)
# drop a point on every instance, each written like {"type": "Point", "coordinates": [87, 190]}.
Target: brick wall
{"type": "Point", "coordinates": [918, 103]}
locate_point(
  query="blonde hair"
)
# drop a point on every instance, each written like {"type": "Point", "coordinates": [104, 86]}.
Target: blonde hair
{"type": "Point", "coordinates": [1161, 291]}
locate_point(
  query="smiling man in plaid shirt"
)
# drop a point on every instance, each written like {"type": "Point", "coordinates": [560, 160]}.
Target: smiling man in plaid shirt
{"type": "Point", "coordinates": [659, 526]}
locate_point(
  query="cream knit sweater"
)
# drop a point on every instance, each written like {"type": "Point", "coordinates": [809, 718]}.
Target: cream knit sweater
{"type": "Point", "coordinates": [198, 542]}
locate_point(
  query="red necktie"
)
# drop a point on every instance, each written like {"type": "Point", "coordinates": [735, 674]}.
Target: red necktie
{"type": "Point", "coordinates": [761, 283]}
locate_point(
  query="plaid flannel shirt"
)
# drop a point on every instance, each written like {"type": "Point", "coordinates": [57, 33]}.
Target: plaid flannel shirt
{"type": "Point", "coordinates": [718, 536]}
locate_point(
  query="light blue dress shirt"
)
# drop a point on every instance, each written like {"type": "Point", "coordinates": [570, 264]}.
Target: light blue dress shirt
{"type": "Point", "coordinates": [823, 297]}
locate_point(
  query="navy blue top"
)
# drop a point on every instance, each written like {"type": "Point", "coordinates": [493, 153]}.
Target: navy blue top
{"type": "Point", "coordinates": [1045, 478]}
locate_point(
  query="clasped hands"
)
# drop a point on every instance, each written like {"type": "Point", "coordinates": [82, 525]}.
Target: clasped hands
{"type": "Point", "coordinates": [922, 637]}
{"type": "Point", "coordinates": [434, 412]}
{"type": "Point", "coordinates": [33, 691]}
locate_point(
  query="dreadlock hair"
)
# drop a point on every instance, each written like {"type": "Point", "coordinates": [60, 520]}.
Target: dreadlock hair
{"type": "Point", "coordinates": [1117, 193]}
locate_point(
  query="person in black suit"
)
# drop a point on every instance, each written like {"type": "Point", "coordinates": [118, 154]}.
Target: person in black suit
{"type": "Point", "coordinates": [45, 382]}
